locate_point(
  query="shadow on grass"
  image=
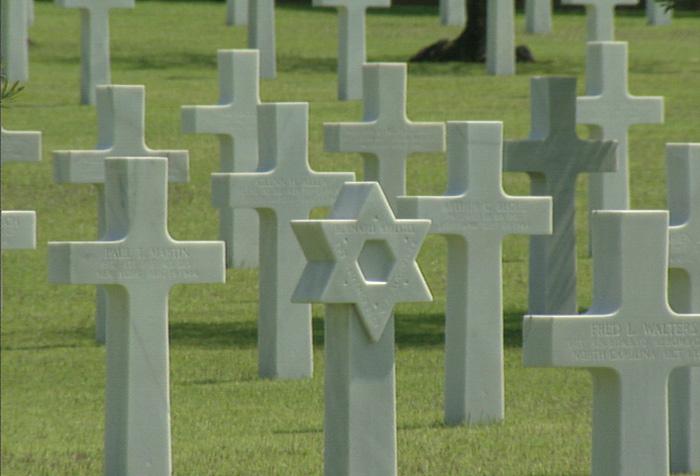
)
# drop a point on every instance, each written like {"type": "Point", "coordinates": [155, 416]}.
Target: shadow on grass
{"type": "Point", "coordinates": [412, 330]}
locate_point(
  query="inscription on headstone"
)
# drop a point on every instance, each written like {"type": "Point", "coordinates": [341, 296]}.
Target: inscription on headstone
{"type": "Point", "coordinates": [351, 42]}
{"type": "Point", "coordinates": [683, 170]}
{"type": "Point", "coordinates": [553, 156]}
{"type": "Point", "coordinates": [630, 340]}
{"type": "Point", "coordinates": [386, 137]}
{"type": "Point", "coordinates": [235, 121]}
{"type": "Point", "coordinates": [361, 264]}
{"type": "Point", "coordinates": [475, 215]}
{"type": "Point", "coordinates": [121, 132]}
{"type": "Point", "coordinates": [137, 266]}
{"type": "Point", "coordinates": [94, 41]}
{"type": "Point", "coordinates": [284, 188]}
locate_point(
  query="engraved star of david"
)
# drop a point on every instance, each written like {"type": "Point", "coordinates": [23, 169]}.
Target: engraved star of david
{"type": "Point", "coordinates": [362, 255]}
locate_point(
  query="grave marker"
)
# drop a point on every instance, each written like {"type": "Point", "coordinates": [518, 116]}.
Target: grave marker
{"type": "Point", "coordinates": [553, 156]}
{"type": "Point", "coordinates": [361, 264]}
{"type": "Point", "coordinates": [351, 42]}
{"type": "Point", "coordinates": [657, 14]}
{"type": "Point", "coordinates": [15, 50]}
{"type": "Point", "coordinates": [30, 12]}
{"type": "Point", "coordinates": [475, 215]}
{"type": "Point", "coordinates": [261, 35]}
{"type": "Point", "coordinates": [284, 188]}
{"type": "Point", "coordinates": [121, 132]}
{"type": "Point", "coordinates": [629, 339]}
{"type": "Point", "coordinates": [235, 121]}
{"type": "Point", "coordinates": [683, 166]}
{"type": "Point", "coordinates": [237, 12]}
{"type": "Point", "coordinates": [386, 137]}
{"type": "Point", "coordinates": [500, 37]}
{"type": "Point", "coordinates": [18, 228]}
{"type": "Point", "coordinates": [453, 12]}
{"type": "Point", "coordinates": [94, 41]}
{"type": "Point", "coordinates": [600, 17]}
{"type": "Point", "coordinates": [610, 108]}
{"type": "Point", "coordinates": [538, 16]}
{"type": "Point", "coordinates": [137, 263]}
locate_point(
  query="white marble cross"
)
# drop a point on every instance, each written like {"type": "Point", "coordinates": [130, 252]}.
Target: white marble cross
{"type": "Point", "coordinates": [610, 108]}
{"type": "Point", "coordinates": [137, 263]}
{"type": "Point", "coordinates": [475, 215]}
{"type": "Point", "coordinates": [30, 12]}
{"type": "Point", "coordinates": [553, 156]}
{"type": "Point", "coordinates": [235, 121]}
{"type": "Point", "coordinates": [453, 12]}
{"type": "Point", "coordinates": [237, 12]}
{"type": "Point", "coordinates": [538, 16]}
{"type": "Point", "coordinates": [94, 40]}
{"type": "Point", "coordinates": [351, 42]}
{"type": "Point", "coordinates": [386, 137]}
{"type": "Point", "coordinates": [361, 264]}
{"type": "Point", "coordinates": [600, 17]}
{"type": "Point", "coordinates": [683, 167]}
{"type": "Point", "coordinates": [630, 340]}
{"type": "Point", "coordinates": [657, 14]}
{"type": "Point", "coordinates": [261, 35]}
{"type": "Point", "coordinates": [284, 188]}
{"type": "Point", "coordinates": [500, 37]}
{"type": "Point", "coordinates": [14, 46]}
{"type": "Point", "coordinates": [121, 132]}
{"type": "Point", "coordinates": [18, 228]}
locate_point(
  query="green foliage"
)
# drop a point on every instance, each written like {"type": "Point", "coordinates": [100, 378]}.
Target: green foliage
{"type": "Point", "coordinates": [225, 420]}
{"type": "Point", "coordinates": [8, 91]}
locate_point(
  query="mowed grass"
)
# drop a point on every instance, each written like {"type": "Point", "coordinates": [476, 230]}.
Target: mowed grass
{"type": "Point", "coordinates": [224, 419]}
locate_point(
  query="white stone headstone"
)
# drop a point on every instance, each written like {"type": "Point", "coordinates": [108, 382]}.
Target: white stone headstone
{"type": "Point", "coordinates": [235, 121]}
{"type": "Point", "coordinates": [137, 265]}
{"type": "Point", "coordinates": [612, 110]}
{"type": "Point", "coordinates": [475, 215]}
{"type": "Point", "coordinates": [261, 35]}
{"type": "Point", "coordinates": [538, 16]}
{"type": "Point", "coordinates": [30, 12]}
{"type": "Point", "coordinates": [94, 41]}
{"type": "Point", "coordinates": [386, 137]}
{"type": "Point", "coordinates": [18, 228]}
{"type": "Point", "coordinates": [284, 188]}
{"type": "Point", "coordinates": [453, 12]}
{"type": "Point", "coordinates": [361, 264]}
{"type": "Point", "coordinates": [629, 339]}
{"type": "Point", "coordinates": [14, 45]}
{"type": "Point", "coordinates": [554, 156]}
{"type": "Point", "coordinates": [657, 14]}
{"type": "Point", "coordinates": [683, 167]}
{"type": "Point", "coordinates": [600, 17]}
{"type": "Point", "coordinates": [352, 53]}
{"type": "Point", "coordinates": [500, 37]}
{"type": "Point", "coordinates": [237, 12]}
{"type": "Point", "coordinates": [121, 132]}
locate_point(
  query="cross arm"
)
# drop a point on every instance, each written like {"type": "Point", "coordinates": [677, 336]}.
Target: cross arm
{"type": "Point", "coordinates": [77, 263]}
{"type": "Point", "coordinates": [20, 146]}
{"type": "Point", "coordinates": [348, 137]}
{"type": "Point", "coordinates": [88, 166]}
{"type": "Point", "coordinates": [18, 230]}
{"type": "Point", "coordinates": [89, 4]}
{"type": "Point", "coordinates": [206, 262]}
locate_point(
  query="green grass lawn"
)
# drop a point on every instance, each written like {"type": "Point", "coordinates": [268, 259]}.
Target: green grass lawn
{"type": "Point", "coordinates": [224, 419]}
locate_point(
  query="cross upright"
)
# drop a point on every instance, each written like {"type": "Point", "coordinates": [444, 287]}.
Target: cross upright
{"type": "Point", "coordinates": [610, 108]}
{"type": "Point", "coordinates": [235, 121]}
{"type": "Point", "coordinates": [553, 156]}
{"type": "Point", "coordinates": [683, 167]}
{"type": "Point", "coordinates": [121, 132]}
{"type": "Point", "coordinates": [15, 50]}
{"type": "Point", "coordinates": [284, 188]}
{"type": "Point", "coordinates": [658, 14]}
{"type": "Point", "coordinates": [453, 12]}
{"type": "Point", "coordinates": [630, 340]}
{"type": "Point", "coordinates": [500, 37]}
{"type": "Point", "coordinates": [538, 16]}
{"type": "Point", "coordinates": [362, 262]}
{"type": "Point", "coordinates": [600, 17]}
{"type": "Point", "coordinates": [352, 52]}
{"type": "Point", "coordinates": [475, 215]}
{"type": "Point", "coordinates": [137, 263]}
{"type": "Point", "coordinates": [386, 137]}
{"type": "Point", "coordinates": [94, 40]}
{"type": "Point", "coordinates": [261, 35]}
{"type": "Point", "coordinates": [237, 12]}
